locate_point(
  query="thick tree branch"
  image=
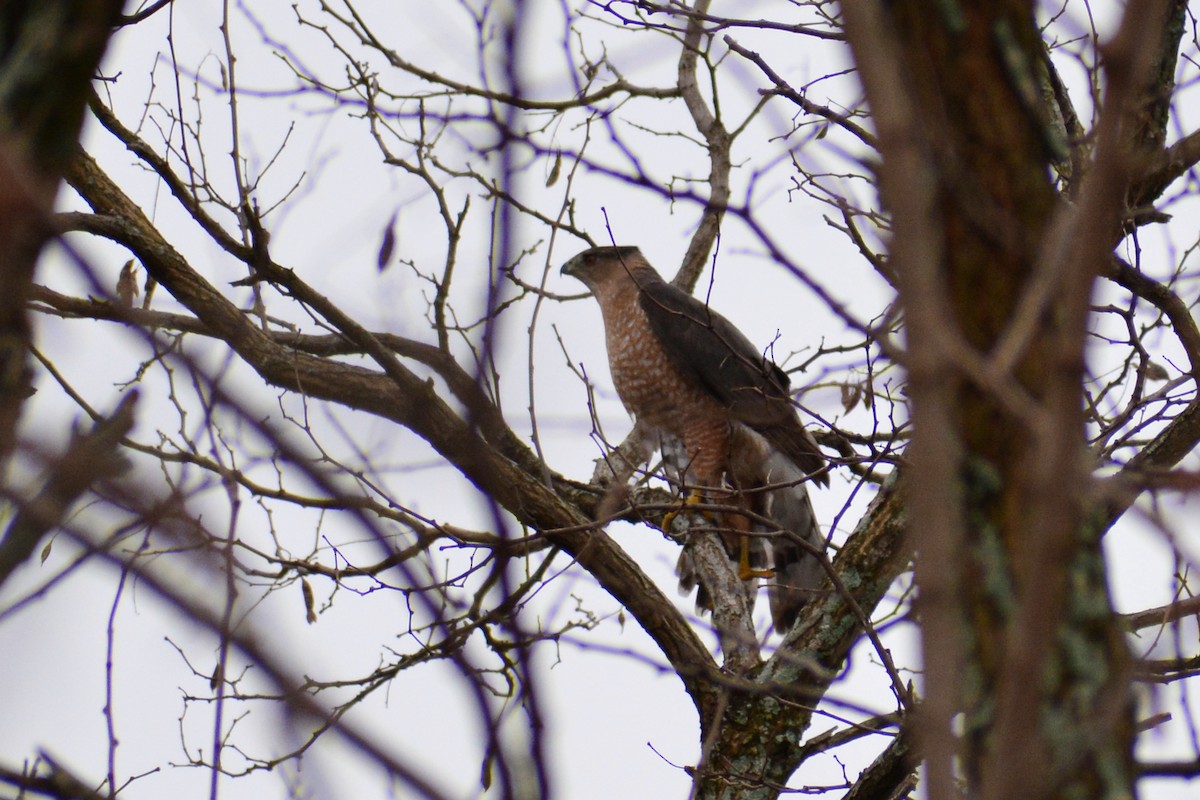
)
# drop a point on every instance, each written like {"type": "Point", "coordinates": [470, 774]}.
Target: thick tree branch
{"type": "Point", "coordinates": [759, 738]}
{"type": "Point", "coordinates": [405, 398]}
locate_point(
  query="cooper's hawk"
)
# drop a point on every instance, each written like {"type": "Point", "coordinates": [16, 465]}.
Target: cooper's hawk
{"type": "Point", "coordinates": [724, 416]}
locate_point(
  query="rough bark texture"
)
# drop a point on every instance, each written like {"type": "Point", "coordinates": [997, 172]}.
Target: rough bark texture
{"type": "Point", "coordinates": [757, 742]}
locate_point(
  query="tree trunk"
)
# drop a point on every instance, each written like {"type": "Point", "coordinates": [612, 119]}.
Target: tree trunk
{"type": "Point", "coordinates": [996, 275]}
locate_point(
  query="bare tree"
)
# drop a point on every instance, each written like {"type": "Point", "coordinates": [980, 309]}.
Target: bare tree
{"type": "Point", "coordinates": [321, 249]}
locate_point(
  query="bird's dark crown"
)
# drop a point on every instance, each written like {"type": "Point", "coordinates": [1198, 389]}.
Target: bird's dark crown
{"type": "Point", "coordinates": [584, 261]}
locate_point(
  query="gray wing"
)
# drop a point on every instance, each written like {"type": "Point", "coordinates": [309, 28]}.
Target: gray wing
{"type": "Point", "coordinates": [708, 347]}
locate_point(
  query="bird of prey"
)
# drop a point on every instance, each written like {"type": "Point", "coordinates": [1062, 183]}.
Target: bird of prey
{"type": "Point", "coordinates": [724, 418]}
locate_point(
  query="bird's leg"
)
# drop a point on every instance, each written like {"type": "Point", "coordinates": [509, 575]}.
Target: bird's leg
{"type": "Point", "coordinates": [745, 571]}
{"type": "Point", "coordinates": [692, 499]}
{"type": "Point", "coordinates": [740, 528]}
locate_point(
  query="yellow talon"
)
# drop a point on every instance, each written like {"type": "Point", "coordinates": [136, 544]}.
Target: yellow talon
{"type": "Point", "coordinates": [693, 499]}
{"type": "Point", "coordinates": [745, 571]}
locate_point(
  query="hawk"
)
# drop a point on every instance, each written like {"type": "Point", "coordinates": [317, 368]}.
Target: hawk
{"type": "Point", "coordinates": [724, 418]}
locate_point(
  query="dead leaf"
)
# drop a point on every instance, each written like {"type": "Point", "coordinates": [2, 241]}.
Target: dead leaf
{"type": "Point", "coordinates": [127, 287]}
{"type": "Point", "coordinates": [307, 591]}
{"type": "Point", "coordinates": [388, 244]}
{"type": "Point", "coordinates": [851, 393]}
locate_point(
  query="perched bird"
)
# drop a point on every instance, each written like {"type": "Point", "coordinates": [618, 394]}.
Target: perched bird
{"type": "Point", "coordinates": [726, 423]}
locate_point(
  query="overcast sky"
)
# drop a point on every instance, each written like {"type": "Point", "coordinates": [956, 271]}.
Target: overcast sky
{"type": "Point", "coordinates": [620, 724]}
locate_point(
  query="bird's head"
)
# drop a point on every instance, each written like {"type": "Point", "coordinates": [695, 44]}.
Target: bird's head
{"type": "Point", "coordinates": [601, 264]}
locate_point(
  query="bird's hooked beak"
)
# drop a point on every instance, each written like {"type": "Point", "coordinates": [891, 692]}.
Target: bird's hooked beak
{"type": "Point", "coordinates": [571, 267]}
